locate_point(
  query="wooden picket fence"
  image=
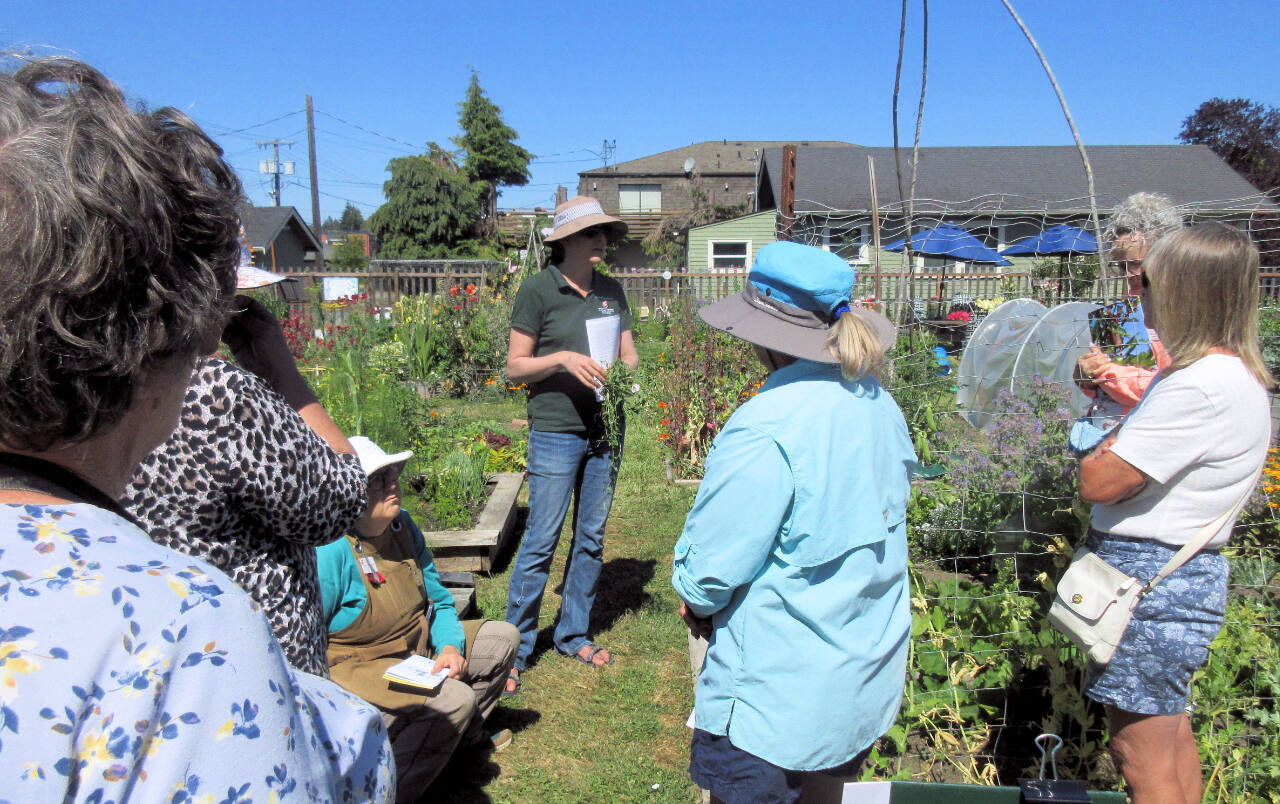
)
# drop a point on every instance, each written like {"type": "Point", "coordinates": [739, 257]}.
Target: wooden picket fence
{"type": "Point", "coordinates": [651, 291]}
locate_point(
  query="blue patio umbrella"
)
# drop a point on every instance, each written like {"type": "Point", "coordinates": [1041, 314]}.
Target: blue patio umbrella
{"type": "Point", "coordinates": [949, 240]}
{"type": "Point", "coordinates": [1062, 239]}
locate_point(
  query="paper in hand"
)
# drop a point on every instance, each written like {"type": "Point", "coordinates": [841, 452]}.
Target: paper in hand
{"type": "Point", "coordinates": [602, 339]}
{"type": "Point", "coordinates": [416, 671]}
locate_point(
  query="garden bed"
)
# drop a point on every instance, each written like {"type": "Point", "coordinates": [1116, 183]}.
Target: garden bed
{"type": "Point", "coordinates": [475, 549]}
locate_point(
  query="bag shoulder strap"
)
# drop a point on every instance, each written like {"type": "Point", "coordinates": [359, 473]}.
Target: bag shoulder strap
{"type": "Point", "coordinates": [24, 473]}
{"type": "Point", "coordinates": [1202, 538]}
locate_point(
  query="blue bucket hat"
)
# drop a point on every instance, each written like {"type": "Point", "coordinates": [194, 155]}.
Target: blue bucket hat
{"type": "Point", "coordinates": [794, 295]}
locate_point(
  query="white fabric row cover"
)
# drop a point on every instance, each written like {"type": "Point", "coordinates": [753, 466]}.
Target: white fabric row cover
{"type": "Point", "coordinates": [1017, 341]}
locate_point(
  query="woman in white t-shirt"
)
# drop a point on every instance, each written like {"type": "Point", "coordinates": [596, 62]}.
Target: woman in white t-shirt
{"type": "Point", "coordinates": [1189, 451]}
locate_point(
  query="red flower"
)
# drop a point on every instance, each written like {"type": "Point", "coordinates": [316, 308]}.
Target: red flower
{"type": "Point", "coordinates": [471, 290]}
{"type": "Point", "coordinates": [665, 422]}
{"type": "Point", "coordinates": [457, 306]}
{"type": "Point", "coordinates": [453, 291]}
{"type": "Point", "coordinates": [663, 437]}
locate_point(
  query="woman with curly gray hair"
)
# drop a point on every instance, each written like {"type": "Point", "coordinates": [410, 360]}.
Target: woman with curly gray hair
{"type": "Point", "coordinates": [128, 670]}
{"type": "Point", "coordinates": [1133, 228]}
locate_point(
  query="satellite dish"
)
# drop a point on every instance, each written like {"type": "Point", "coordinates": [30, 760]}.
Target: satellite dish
{"type": "Point", "coordinates": [688, 165]}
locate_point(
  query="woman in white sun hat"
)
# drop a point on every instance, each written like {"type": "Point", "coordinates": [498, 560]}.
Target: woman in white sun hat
{"type": "Point", "coordinates": [384, 601]}
{"type": "Point", "coordinates": [568, 456]}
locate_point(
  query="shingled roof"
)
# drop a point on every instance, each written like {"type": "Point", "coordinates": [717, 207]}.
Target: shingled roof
{"type": "Point", "coordinates": [262, 225]}
{"type": "Point", "coordinates": [1046, 178]}
{"type": "Point", "coordinates": [713, 157]}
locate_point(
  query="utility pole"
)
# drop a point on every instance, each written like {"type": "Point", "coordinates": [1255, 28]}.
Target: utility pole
{"type": "Point", "coordinates": [315, 182]}
{"type": "Point", "coordinates": [311, 158]}
{"type": "Point", "coordinates": [274, 167]}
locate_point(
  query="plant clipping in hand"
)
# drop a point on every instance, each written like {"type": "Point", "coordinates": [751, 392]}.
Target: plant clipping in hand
{"type": "Point", "coordinates": [621, 396]}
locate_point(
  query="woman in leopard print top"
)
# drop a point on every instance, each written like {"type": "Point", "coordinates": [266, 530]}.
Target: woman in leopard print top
{"type": "Point", "coordinates": [248, 483]}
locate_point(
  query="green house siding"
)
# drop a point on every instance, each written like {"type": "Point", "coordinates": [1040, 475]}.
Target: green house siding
{"type": "Point", "coordinates": [756, 230]}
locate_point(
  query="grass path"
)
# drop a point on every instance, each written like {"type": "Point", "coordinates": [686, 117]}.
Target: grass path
{"type": "Point", "coordinates": [616, 734]}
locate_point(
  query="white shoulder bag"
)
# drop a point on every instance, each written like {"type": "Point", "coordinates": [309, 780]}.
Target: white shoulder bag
{"type": "Point", "coordinates": [1094, 600]}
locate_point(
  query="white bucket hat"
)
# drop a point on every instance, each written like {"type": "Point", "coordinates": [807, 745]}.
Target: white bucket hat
{"type": "Point", "coordinates": [372, 457]}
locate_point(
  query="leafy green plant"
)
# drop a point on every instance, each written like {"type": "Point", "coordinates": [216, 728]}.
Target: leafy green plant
{"type": "Point", "coordinates": [456, 341]}
{"type": "Point", "coordinates": [699, 381]}
{"type": "Point", "coordinates": [621, 396]}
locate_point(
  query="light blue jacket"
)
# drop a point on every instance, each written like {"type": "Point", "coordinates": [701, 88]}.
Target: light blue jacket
{"type": "Point", "coordinates": [796, 546]}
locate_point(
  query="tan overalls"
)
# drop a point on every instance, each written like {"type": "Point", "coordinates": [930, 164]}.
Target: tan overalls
{"type": "Point", "coordinates": [425, 727]}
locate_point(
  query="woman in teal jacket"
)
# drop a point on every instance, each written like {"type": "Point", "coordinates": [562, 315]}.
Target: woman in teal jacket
{"type": "Point", "coordinates": [383, 601]}
{"type": "Point", "coordinates": [793, 560]}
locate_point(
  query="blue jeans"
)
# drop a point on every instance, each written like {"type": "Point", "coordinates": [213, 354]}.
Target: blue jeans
{"type": "Point", "coordinates": [561, 464]}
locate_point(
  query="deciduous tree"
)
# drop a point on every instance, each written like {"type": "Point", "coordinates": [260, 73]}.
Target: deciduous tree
{"type": "Point", "coordinates": [348, 255]}
{"type": "Point", "coordinates": [491, 155]}
{"type": "Point", "coordinates": [1245, 134]}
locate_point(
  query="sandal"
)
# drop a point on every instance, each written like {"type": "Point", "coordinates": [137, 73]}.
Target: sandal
{"type": "Point", "coordinates": [590, 658]}
{"type": "Point", "coordinates": [512, 675]}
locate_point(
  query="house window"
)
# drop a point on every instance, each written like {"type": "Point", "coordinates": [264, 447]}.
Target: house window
{"type": "Point", "coordinates": [729, 255]}
{"type": "Point", "coordinates": [639, 199]}
{"type": "Point", "coordinates": [849, 240]}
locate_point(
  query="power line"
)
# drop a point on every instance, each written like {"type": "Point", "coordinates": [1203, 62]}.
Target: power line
{"type": "Point", "coordinates": [368, 130]}
{"type": "Point", "coordinates": [227, 130]}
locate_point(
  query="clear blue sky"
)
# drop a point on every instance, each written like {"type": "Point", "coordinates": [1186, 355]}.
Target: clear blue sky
{"type": "Point", "coordinates": [387, 77]}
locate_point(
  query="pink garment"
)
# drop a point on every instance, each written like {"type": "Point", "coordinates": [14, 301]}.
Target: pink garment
{"type": "Point", "coordinates": [1126, 384]}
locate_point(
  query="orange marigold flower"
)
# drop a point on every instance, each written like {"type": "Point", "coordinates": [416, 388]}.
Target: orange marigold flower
{"type": "Point", "coordinates": [662, 404]}
{"type": "Point", "coordinates": [433, 413]}
{"type": "Point", "coordinates": [664, 436]}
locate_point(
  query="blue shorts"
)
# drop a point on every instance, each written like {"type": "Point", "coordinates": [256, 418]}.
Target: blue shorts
{"type": "Point", "coordinates": [733, 775]}
{"type": "Point", "coordinates": [1169, 635]}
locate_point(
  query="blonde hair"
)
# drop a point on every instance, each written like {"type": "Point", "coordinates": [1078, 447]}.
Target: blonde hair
{"type": "Point", "coordinates": [1204, 287]}
{"type": "Point", "coordinates": [856, 346]}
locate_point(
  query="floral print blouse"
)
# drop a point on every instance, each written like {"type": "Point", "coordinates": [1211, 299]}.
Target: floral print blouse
{"type": "Point", "coordinates": [131, 672]}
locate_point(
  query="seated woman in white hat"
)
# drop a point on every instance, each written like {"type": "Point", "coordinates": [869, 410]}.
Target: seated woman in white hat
{"type": "Point", "coordinates": [384, 602]}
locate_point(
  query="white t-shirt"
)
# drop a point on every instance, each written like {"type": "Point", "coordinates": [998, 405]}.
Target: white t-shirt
{"type": "Point", "coordinates": [1200, 435]}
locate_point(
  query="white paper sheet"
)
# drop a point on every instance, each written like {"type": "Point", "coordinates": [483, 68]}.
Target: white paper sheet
{"type": "Point", "coordinates": [602, 338]}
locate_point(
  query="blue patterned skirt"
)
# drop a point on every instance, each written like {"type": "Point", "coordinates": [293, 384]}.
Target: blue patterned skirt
{"type": "Point", "coordinates": [1169, 635]}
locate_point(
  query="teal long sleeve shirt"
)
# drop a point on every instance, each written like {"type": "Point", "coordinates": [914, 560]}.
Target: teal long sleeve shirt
{"type": "Point", "coordinates": [343, 593]}
{"type": "Point", "coordinates": [796, 548]}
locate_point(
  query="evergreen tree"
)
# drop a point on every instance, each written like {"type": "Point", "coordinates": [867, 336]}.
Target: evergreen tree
{"type": "Point", "coordinates": [491, 156]}
{"type": "Point", "coordinates": [351, 220]}
{"type": "Point", "coordinates": [431, 206]}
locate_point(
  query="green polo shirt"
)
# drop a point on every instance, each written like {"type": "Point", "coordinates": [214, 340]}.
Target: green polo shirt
{"type": "Point", "coordinates": [548, 308]}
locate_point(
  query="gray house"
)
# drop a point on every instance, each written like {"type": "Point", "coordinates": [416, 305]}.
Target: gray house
{"type": "Point", "coordinates": [999, 194]}
{"type": "Point", "coordinates": [644, 191]}
{"type": "Point", "coordinates": [279, 239]}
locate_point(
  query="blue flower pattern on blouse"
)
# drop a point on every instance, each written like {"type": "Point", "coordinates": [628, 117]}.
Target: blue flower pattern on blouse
{"type": "Point", "coordinates": [128, 671]}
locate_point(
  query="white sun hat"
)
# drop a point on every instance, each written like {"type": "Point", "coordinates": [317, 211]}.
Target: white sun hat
{"type": "Point", "coordinates": [372, 457]}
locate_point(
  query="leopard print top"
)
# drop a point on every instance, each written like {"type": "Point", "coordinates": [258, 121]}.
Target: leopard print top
{"type": "Point", "coordinates": [246, 485]}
